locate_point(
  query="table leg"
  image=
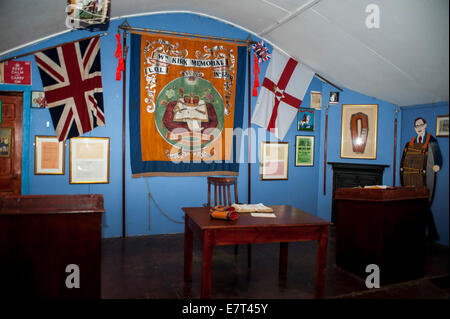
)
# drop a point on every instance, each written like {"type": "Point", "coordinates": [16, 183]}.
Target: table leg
{"type": "Point", "coordinates": [206, 265]}
{"type": "Point", "coordinates": [282, 269]}
{"type": "Point", "coordinates": [321, 264]}
{"type": "Point", "coordinates": [188, 241]}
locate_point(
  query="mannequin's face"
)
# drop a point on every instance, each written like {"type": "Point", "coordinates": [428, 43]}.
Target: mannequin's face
{"type": "Point", "coordinates": [420, 127]}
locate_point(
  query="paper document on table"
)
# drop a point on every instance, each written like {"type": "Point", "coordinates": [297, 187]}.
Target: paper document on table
{"type": "Point", "coordinates": [270, 215]}
{"type": "Point", "coordinates": [247, 208]}
{"type": "Point", "coordinates": [377, 186]}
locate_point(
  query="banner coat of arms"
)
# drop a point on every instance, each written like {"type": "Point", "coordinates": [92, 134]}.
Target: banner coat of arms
{"type": "Point", "coordinates": [186, 98]}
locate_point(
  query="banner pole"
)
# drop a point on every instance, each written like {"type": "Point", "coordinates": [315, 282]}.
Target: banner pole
{"type": "Point", "coordinates": [52, 47]}
{"type": "Point", "coordinates": [124, 91]}
{"type": "Point", "coordinates": [395, 144]}
{"type": "Point", "coordinates": [325, 152]}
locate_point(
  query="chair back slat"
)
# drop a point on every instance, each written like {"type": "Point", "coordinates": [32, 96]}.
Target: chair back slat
{"type": "Point", "coordinates": [222, 190]}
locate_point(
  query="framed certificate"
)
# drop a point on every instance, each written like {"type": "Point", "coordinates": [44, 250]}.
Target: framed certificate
{"type": "Point", "coordinates": [49, 155]}
{"type": "Point", "coordinates": [274, 160]}
{"type": "Point", "coordinates": [89, 160]}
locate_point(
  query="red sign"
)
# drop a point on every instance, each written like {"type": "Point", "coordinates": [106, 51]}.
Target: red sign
{"type": "Point", "coordinates": [17, 72]}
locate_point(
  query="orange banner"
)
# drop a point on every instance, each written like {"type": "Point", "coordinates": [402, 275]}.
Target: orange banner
{"type": "Point", "coordinates": [187, 98]}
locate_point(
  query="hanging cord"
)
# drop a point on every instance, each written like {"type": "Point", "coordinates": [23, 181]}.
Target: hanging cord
{"type": "Point", "coordinates": [150, 196]}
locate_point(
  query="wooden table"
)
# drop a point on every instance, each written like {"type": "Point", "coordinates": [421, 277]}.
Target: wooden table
{"type": "Point", "coordinates": [291, 224]}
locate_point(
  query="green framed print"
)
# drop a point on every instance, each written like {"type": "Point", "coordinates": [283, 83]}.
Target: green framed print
{"type": "Point", "coordinates": [304, 150]}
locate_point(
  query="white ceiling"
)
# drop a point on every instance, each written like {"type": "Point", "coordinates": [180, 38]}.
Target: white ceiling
{"type": "Point", "coordinates": [405, 61]}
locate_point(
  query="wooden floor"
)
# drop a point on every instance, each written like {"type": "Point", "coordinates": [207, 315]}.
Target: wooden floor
{"type": "Point", "coordinates": [151, 267]}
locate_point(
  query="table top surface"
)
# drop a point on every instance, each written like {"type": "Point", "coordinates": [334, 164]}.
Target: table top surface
{"type": "Point", "coordinates": [286, 216]}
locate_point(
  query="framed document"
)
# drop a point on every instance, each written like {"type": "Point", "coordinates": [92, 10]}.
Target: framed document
{"type": "Point", "coordinates": [49, 155]}
{"type": "Point", "coordinates": [442, 126]}
{"type": "Point", "coordinates": [359, 131]}
{"type": "Point", "coordinates": [316, 100]}
{"type": "Point", "coordinates": [274, 160]}
{"type": "Point", "coordinates": [304, 150]}
{"type": "Point", "coordinates": [83, 13]}
{"type": "Point", "coordinates": [89, 160]}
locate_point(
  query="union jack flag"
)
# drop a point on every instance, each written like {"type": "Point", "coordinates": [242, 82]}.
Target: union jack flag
{"type": "Point", "coordinates": [72, 80]}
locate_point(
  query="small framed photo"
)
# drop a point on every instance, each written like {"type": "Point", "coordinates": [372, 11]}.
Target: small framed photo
{"type": "Point", "coordinates": [316, 100]}
{"type": "Point", "coordinates": [304, 150]}
{"type": "Point", "coordinates": [83, 13]}
{"type": "Point", "coordinates": [89, 160]}
{"type": "Point", "coordinates": [359, 131]}
{"type": "Point", "coordinates": [5, 141]}
{"type": "Point", "coordinates": [442, 126]}
{"type": "Point", "coordinates": [274, 160]}
{"type": "Point", "coordinates": [38, 100]}
{"type": "Point", "coordinates": [49, 155]}
{"type": "Point", "coordinates": [306, 119]}
{"type": "Point", "coordinates": [334, 98]}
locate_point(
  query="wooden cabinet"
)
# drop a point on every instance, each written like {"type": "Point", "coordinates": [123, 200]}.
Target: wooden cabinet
{"type": "Point", "coordinates": [354, 175]}
{"type": "Point", "coordinates": [385, 227]}
{"type": "Point", "coordinates": [40, 235]}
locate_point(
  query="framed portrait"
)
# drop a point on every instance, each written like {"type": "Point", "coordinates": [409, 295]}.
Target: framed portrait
{"type": "Point", "coordinates": [274, 160]}
{"type": "Point", "coordinates": [304, 150]}
{"type": "Point", "coordinates": [49, 155]}
{"type": "Point", "coordinates": [89, 160]}
{"type": "Point", "coordinates": [306, 119]}
{"type": "Point", "coordinates": [38, 100]}
{"type": "Point", "coordinates": [82, 13]}
{"type": "Point", "coordinates": [316, 99]}
{"type": "Point", "coordinates": [359, 131]}
{"type": "Point", "coordinates": [442, 126]}
{"type": "Point", "coordinates": [5, 141]}
{"type": "Point", "coordinates": [334, 98]}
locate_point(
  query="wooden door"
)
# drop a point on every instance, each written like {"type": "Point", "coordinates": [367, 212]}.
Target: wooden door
{"type": "Point", "coordinates": [11, 142]}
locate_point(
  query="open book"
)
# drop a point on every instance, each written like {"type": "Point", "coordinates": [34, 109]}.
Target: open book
{"type": "Point", "coordinates": [247, 208]}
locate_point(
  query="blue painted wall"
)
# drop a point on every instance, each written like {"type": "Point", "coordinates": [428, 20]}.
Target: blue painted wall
{"type": "Point", "coordinates": [303, 189]}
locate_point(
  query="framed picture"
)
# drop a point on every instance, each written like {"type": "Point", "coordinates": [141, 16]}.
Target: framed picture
{"type": "Point", "coordinates": [359, 131]}
{"type": "Point", "coordinates": [38, 100]}
{"type": "Point", "coordinates": [334, 98]}
{"type": "Point", "coordinates": [89, 160]}
{"type": "Point", "coordinates": [442, 125]}
{"type": "Point", "coordinates": [274, 160]}
{"type": "Point", "coordinates": [304, 150]}
{"type": "Point", "coordinates": [316, 99]}
{"type": "Point", "coordinates": [306, 119]}
{"type": "Point", "coordinates": [5, 141]}
{"type": "Point", "coordinates": [49, 155]}
{"type": "Point", "coordinates": [82, 13]}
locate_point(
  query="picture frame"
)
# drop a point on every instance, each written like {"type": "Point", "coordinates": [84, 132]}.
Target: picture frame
{"type": "Point", "coordinates": [306, 119]}
{"type": "Point", "coordinates": [89, 160]}
{"type": "Point", "coordinates": [359, 131]}
{"type": "Point", "coordinates": [5, 141]}
{"type": "Point", "coordinates": [304, 150]}
{"type": "Point", "coordinates": [274, 160]}
{"type": "Point", "coordinates": [49, 156]}
{"type": "Point", "coordinates": [334, 98]}
{"type": "Point", "coordinates": [38, 100]}
{"type": "Point", "coordinates": [81, 14]}
{"type": "Point", "coordinates": [442, 126]}
{"type": "Point", "coordinates": [316, 100]}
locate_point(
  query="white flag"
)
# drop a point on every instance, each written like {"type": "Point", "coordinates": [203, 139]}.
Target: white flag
{"type": "Point", "coordinates": [282, 92]}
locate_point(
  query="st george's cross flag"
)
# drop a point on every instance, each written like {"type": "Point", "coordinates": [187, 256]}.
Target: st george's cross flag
{"type": "Point", "coordinates": [72, 80]}
{"type": "Point", "coordinates": [282, 92]}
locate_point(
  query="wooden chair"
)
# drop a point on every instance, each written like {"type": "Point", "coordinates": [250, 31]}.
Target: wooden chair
{"type": "Point", "coordinates": [222, 196]}
{"type": "Point", "coordinates": [222, 191]}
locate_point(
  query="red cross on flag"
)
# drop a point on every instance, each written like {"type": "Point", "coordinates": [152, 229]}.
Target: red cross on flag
{"type": "Point", "coordinates": [282, 92]}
